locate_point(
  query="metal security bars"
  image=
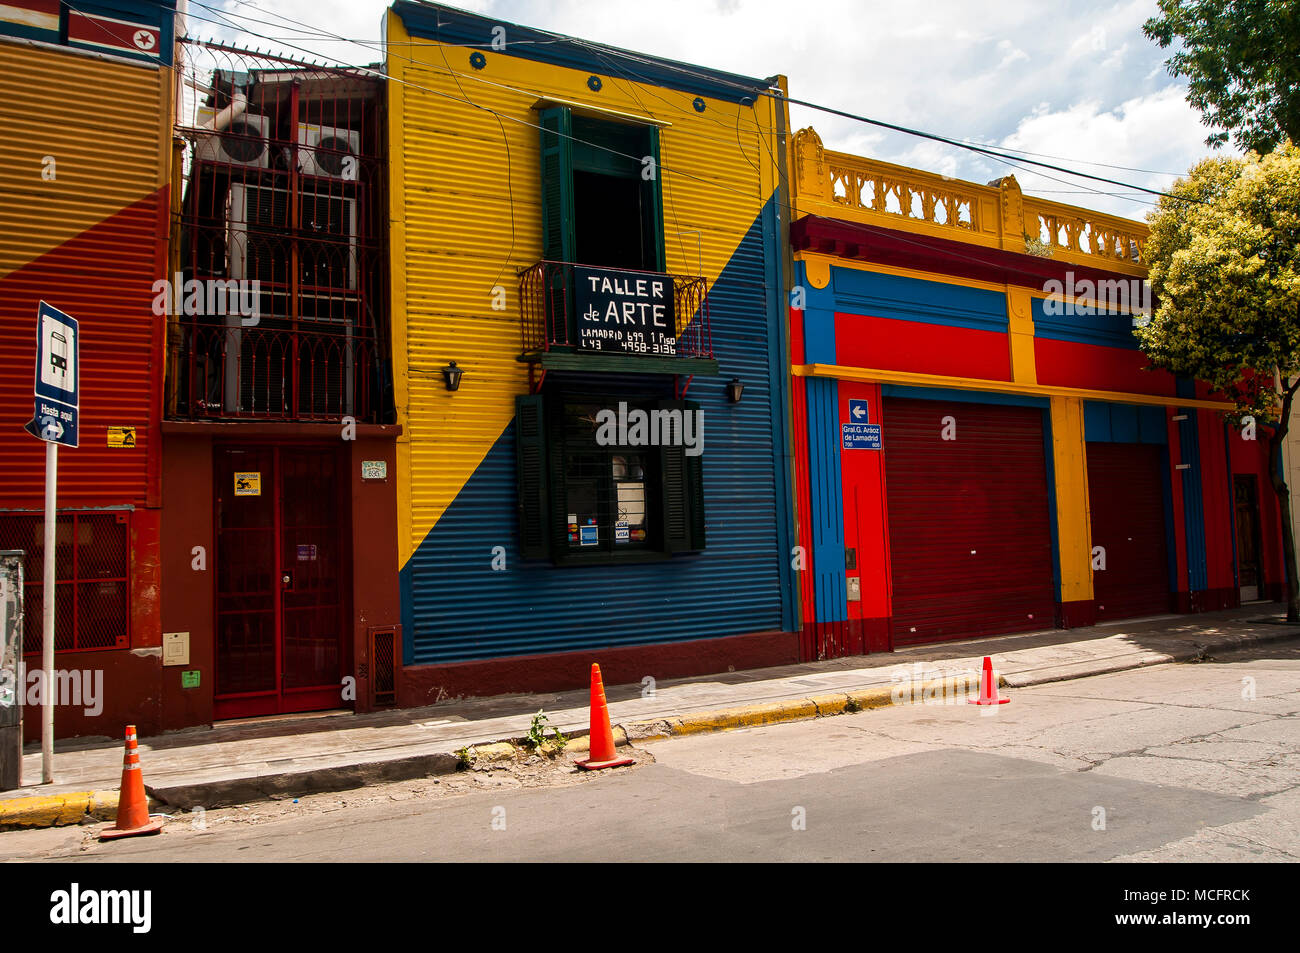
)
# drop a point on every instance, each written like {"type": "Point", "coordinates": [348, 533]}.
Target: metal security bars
{"type": "Point", "coordinates": [276, 293]}
{"type": "Point", "coordinates": [92, 573]}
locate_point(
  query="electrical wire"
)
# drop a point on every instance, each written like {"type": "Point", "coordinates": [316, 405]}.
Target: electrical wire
{"type": "Point", "coordinates": [877, 230]}
{"type": "Point", "coordinates": [714, 78]}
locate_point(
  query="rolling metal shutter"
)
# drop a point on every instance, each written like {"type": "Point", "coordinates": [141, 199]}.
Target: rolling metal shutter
{"type": "Point", "coordinates": [1127, 505]}
{"type": "Point", "coordinates": [969, 533]}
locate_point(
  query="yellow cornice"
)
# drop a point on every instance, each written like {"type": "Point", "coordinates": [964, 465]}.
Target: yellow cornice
{"type": "Point", "coordinates": [876, 376]}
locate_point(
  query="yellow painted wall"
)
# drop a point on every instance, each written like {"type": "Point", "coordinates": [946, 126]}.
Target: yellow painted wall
{"type": "Point", "coordinates": [104, 123]}
{"type": "Point", "coordinates": [465, 207]}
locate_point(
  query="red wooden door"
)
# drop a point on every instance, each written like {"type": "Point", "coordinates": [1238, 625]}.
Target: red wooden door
{"type": "Point", "coordinates": [280, 567]}
{"type": "Point", "coordinates": [1127, 505]}
{"type": "Point", "coordinates": [969, 532]}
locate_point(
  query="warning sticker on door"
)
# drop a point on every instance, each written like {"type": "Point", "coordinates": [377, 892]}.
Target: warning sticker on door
{"type": "Point", "coordinates": [121, 437]}
{"type": "Point", "coordinates": [248, 484]}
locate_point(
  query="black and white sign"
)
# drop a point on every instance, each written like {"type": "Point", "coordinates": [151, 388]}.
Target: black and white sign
{"type": "Point", "coordinates": [625, 312]}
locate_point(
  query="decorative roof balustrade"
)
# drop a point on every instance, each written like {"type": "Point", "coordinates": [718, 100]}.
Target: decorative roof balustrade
{"type": "Point", "coordinates": [997, 215]}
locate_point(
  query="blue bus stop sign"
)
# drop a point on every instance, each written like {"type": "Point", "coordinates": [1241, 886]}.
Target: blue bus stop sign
{"type": "Point", "coordinates": [58, 372]}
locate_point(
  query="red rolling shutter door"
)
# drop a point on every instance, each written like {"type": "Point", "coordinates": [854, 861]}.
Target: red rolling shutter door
{"type": "Point", "coordinates": [1127, 506]}
{"type": "Point", "coordinates": [969, 533]}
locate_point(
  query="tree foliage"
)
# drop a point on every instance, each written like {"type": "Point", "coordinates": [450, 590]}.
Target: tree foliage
{"type": "Point", "coordinates": [1224, 260]}
{"type": "Point", "coordinates": [1242, 62]}
{"type": "Point", "coordinates": [1224, 267]}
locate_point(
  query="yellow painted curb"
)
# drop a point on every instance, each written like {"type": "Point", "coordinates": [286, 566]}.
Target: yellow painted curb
{"type": "Point", "coordinates": [801, 709]}
{"type": "Point", "coordinates": [58, 810]}
{"type": "Point", "coordinates": [497, 751]}
{"type": "Point", "coordinates": [582, 744]}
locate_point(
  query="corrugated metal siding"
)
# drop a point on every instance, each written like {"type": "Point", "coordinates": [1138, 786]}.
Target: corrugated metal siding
{"type": "Point", "coordinates": [468, 192]}
{"type": "Point", "coordinates": [1127, 508]}
{"type": "Point", "coordinates": [1193, 501]}
{"type": "Point", "coordinates": [459, 608]}
{"type": "Point", "coordinates": [969, 534]}
{"type": "Point", "coordinates": [89, 242]}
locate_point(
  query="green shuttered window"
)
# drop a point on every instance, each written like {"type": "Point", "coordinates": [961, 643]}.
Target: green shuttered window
{"type": "Point", "coordinates": [602, 194]}
{"type": "Point", "coordinates": [586, 498]}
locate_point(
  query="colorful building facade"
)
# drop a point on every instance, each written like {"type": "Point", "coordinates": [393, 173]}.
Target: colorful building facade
{"type": "Point", "coordinates": [537, 182]}
{"type": "Point", "coordinates": [86, 100]}
{"type": "Point", "coordinates": [981, 446]}
{"type": "Point", "coordinates": [279, 501]}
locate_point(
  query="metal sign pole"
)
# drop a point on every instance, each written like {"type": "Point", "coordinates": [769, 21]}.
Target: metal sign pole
{"type": "Point", "coordinates": [47, 616]}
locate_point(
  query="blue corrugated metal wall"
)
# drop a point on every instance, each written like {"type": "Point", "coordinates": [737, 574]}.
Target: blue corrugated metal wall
{"type": "Point", "coordinates": [456, 608]}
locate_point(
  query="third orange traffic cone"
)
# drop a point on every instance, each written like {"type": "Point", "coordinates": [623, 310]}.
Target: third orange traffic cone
{"type": "Point", "coordinates": [132, 803]}
{"type": "Point", "coordinates": [603, 754]}
{"type": "Point", "coordinates": [988, 687]}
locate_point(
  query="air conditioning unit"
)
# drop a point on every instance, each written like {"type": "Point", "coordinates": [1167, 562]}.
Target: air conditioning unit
{"type": "Point", "coordinates": [258, 229]}
{"type": "Point", "coordinates": [242, 142]}
{"type": "Point", "coordinates": [329, 152]}
{"type": "Point", "coordinates": [258, 378]}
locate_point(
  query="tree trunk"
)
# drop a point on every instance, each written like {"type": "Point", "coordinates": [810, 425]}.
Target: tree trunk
{"type": "Point", "coordinates": [1284, 504]}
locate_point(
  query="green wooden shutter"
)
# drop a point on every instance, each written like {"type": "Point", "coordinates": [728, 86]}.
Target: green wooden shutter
{"type": "Point", "coordinates": [652, 192]}
{"type": "Point", "coordinates": [695, 487]}
{"type": "Point", "coordinates": [681, 483]}
{"type": "Point", "coordinates": [530, 457]}
{"type": "Point", "coordinates": [558, 242]}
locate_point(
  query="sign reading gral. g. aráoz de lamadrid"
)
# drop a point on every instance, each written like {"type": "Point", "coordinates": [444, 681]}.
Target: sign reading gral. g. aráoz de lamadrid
{"type": "Point", "coordinates": [628, 312]}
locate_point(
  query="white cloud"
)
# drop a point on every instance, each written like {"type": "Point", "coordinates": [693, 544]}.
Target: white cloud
{"type": "Point", "coordinates": [1078, 81]}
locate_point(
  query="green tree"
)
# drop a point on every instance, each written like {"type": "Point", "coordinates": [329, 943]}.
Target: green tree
{"type": "Point", "coordinates": [1242, 63]}
{"type": "Point", "coordinates": [1224, 259]}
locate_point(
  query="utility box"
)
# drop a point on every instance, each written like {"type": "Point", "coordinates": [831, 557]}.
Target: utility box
{"type": "Point", "coordinates": [11, 674]}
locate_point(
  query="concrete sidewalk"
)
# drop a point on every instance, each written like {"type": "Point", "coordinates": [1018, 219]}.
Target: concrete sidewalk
{"type": "Point", "coordinates": [236, 762]}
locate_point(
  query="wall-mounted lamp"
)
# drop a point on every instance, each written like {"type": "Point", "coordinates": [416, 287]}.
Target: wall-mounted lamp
{"type": "Point", "coordinates": [451, 374]}
{"type": "Point", "coordinates": [735, 390]}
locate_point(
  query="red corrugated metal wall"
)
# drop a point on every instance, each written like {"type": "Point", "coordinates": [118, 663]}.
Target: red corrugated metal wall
{"type": "Point", "coordinates": [969, 532]}
{"type": "Point", "coordinates": [109, 292]}
{"type": "Point", "coordinates": [1127, 508]}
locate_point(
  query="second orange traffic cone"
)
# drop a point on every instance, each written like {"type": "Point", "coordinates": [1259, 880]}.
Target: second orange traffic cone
{"type": "Point", "coordinates": [988, 687]}
{"type": "Point", "coordinates": [132, 802]}
{"type": "Point", "coordinates": [603, 754]}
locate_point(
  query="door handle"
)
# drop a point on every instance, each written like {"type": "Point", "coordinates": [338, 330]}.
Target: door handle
{"type": "Point", "coordinates": [287, 579]}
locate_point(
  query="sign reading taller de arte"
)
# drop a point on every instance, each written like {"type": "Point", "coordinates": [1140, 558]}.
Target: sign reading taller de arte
{"type": "Point", "coordinates": [57, 401]}
{"type": "Point", "coordinates": [627, 312]}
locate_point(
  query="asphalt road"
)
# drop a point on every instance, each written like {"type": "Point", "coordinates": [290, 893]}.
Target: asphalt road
{"type": "Point", "coordinates": [1170, 763]}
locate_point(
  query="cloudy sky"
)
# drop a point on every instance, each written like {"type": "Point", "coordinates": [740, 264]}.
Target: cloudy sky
{"type": "Point", "coordinates": [1073, 80]}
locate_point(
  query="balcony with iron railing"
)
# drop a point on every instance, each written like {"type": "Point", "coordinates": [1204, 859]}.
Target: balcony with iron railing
{"type": "Point", "coordinates": [852, 188]}
{"type": "Point", "coordinates": [231, 372]}
{"type": "Point", "coordinates": [583, 317]}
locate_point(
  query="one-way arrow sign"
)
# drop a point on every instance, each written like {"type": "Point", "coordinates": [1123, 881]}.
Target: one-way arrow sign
{"type": "Point", "coordinates": [858, 411]}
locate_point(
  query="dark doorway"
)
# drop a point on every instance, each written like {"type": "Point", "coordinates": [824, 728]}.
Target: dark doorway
{"type": "Point", "coordinates": [610, 224]}
{"type": "Point", "coordinates": [1250, 574]}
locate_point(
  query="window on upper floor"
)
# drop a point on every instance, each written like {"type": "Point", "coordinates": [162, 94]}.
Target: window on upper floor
{"type": "Point", "coordinates": [602, 201]}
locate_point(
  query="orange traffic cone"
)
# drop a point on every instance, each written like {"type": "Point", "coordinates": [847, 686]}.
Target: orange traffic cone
{"type": "Point", "coordinates": [602, 735]}
{"type": "Point", "coordinates": [988, 687]}
{"type": "Point", "coordinates": [132, 804]}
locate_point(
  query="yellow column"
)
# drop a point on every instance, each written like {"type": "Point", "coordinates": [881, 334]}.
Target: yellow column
{"type": "Point", "coordinates": [1070, 459]}
{"type": "Point", "coordinates": [1020, 333]}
